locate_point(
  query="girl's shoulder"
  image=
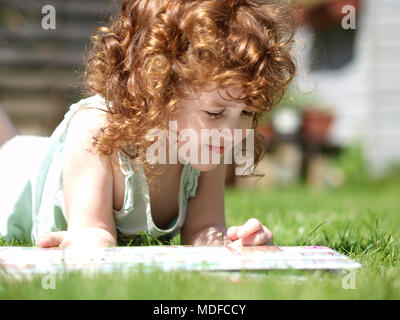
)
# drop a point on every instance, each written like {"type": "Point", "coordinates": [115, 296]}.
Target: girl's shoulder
{"type": "Point", "coordinates": [89, 117]}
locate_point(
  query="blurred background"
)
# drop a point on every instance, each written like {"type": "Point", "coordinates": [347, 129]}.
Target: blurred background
{"type": "Point", "coordinates": [39, 68]}
{"type": "Point", "coordinates": [337, 124]}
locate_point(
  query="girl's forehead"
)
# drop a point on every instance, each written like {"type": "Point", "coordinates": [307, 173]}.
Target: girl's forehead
{"type": "Point", "coordinates": [219, 97]}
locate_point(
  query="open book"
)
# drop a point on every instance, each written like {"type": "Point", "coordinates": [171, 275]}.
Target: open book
{"type": "Point", "coordinates": [179, 257]}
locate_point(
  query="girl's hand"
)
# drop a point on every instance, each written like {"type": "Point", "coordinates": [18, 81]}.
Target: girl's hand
{"type": "Point", "coordinates": [82, 238]}
{"type": "Point", "coordinates": [252, 233]}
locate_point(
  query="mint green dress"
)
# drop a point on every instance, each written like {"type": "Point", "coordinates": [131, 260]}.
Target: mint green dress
{"type": "Point", "coordinates": [31, 192]}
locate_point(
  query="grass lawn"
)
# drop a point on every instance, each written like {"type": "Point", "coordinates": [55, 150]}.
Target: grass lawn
{"type": "Point", "coordinates": [361, 221]}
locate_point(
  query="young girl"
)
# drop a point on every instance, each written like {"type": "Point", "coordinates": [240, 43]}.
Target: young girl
{"type": "Point", "coordinates": [209, 64]}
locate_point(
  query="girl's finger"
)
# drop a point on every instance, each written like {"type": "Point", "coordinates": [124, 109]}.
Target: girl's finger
{"type": "Point", "coordinates": [232, 233]}
{"type": "Point", "coordinates": [250, 227]}
{"type": "Point", "coordinates": [258, 238]}
{"type": "Point", "coordinates": [270, 238]}
{"type": "Point", "coordinates": [237, 243]}
{"type": "Point", "coordinates": [52, 239]}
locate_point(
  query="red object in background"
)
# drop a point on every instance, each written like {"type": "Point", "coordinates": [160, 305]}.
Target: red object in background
{"type": "Point", "coordinates": [267, 131]}
{"type": "Point", "coordinates": [316, 125]}
{"type": "Point", "coordinates": [324, 14]}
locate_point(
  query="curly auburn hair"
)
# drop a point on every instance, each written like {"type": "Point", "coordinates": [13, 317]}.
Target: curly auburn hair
{"type": "Point", "coordinates": [152, 51]}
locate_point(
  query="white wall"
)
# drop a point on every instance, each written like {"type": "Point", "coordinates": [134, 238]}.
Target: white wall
{"type": "Point", "coordinates": [366, 93]}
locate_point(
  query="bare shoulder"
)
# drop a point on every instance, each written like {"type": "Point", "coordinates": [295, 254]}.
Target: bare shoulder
{"type": "Point", "coordinates": [86, 123]}
{"type": "Point", "coordinates": [83, 127]}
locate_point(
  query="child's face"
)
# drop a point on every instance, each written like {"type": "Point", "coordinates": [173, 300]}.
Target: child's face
{"type": "Point", "coordinates": [207, 110]}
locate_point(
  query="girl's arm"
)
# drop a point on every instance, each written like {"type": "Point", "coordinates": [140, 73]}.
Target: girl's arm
{"type": "Point", "coordinates": [88, 188]}
{"type": "Point", "coordinates": [205, 217]}
{"type": "Point", "coordinates": [205, 220]}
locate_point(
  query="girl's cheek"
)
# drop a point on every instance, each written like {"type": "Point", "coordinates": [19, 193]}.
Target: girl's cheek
{"type": "Point", "coordinates": [245, 133]}
{"type": "Point", "coordinates": [248, 129]}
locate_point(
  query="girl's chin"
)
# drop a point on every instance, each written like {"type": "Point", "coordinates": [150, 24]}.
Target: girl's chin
{"type": "Point", "coordinates": [204, 167]}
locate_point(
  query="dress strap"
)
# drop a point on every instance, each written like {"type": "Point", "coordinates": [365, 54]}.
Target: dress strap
{"type": "Point", "coordinates": [124, 163]}
{"type": "Point", "coordinates": [95, 101]}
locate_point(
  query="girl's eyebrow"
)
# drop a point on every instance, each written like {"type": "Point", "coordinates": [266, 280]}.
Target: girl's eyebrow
{"type": "Point", "coordinates": [221, 104]}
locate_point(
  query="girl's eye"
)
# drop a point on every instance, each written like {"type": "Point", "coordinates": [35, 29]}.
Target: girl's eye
{"type": "Point", "coordinates": [218, 115]}
{"type": "Point", "coordinates": [249, 114]}
{"type": "Point", "coordinates": [215, 115]}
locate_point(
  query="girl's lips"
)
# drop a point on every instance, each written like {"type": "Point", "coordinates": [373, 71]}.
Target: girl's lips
{"type": "Point", "coordinates": [217, 149]}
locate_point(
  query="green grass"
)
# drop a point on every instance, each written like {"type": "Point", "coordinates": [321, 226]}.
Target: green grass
{"type": "Point", "coordinates": [361, 221]}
